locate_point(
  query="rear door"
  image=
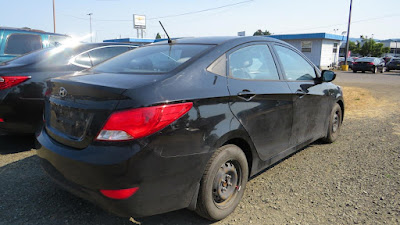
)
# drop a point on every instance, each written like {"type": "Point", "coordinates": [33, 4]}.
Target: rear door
{"type": "Point", "coordinates": [310, 97]}
{"type": "Point", "coordinates": [260, 99]}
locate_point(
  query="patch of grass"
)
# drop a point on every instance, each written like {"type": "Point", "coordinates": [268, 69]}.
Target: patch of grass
{"type": "Point", "coordinates": [361, 103]}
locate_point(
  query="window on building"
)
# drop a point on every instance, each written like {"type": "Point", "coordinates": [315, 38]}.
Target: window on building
{"type": "Point", "coordinates": [335, 47]}
{"type": "Point", "coordinates": [306, 46]}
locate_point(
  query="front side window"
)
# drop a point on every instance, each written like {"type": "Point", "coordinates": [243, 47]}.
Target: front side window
{"type": "Point", "coordinates": [19, 44]}
{"type": "Point", "coordinates": [152, 59]}
{"type": "Point", "coordinates": [295, 66]}
{"type": "Point", "coordinates": [253, 63]}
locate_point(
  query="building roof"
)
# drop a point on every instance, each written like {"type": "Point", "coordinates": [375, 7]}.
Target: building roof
{"type": "Point", "coordinates": [308, 36]}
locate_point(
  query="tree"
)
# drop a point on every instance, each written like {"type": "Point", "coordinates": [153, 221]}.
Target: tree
{"type": "Point", "coordinates": [370, 47]}
{"type": "Point", "coordinates": [354, 47]}
{"type": "Point", "coordinates": [158, 36]}
{"type": "Point", "coordinates": [260, 32]}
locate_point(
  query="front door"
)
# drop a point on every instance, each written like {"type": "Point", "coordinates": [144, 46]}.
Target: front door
{"type": "Point", "coordinates": [310, 97]}
{"type": "Point", "coordinates": [260, 98]}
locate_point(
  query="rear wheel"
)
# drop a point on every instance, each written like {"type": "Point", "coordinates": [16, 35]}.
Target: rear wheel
{"type": "Point", "coordinates": [223, 183]}
{"type": "Point", "coordinates": [335, 123]}
{"type": "Point", "coordinates": [375, 69]}
{"type": "Point", "coordinates": [354, 71]}
{"type": "Point", "coordinates": [363, 71]}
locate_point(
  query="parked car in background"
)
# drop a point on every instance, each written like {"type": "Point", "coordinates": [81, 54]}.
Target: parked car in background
{"type": "Point", "coordinates": [15, 42]}
{"type": "Point", "coordinates": [393, 64]}
{"type": "Point", "coordinates": [349, 62]}
{"type": "Point", "coordinates": [23, 80]}
{"type": "Point", "coordinates": [369, 64]}
{"type": "Point", "coordinates": [184, 124]}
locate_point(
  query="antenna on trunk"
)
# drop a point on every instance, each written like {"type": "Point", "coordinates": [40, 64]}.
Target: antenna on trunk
{"type": "Point", "coordinates": [169, 39]}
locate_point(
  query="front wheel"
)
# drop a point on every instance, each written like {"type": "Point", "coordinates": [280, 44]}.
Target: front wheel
{"type": "Point", "coordinates": [223, 183]}
{"type": "Point", "coordinates": [335, 123]}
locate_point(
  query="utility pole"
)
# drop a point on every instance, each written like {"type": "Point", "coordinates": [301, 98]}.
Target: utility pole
{"type": "Point", "coordinates": [90, 18]}
{"type": "Point", "coordinates": [348, 34]}
{"type": "Point", "coordinates": [54, 17]}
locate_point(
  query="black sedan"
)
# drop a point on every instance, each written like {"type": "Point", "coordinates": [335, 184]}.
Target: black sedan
{"type": "Point", "coordinates": [23, 80]}
{"type": "Point", "coordinates": [369, 64]}
{"type": "Point", "coordinates": [184, 124]}
{"type": "Point", "coordinates": [393, 64]}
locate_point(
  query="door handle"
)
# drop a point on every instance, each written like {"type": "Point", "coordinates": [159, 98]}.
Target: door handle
{"type": "Point", "coordinates": [246, 95]}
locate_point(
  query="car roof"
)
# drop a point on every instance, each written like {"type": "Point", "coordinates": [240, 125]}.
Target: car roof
{"type": "Point", "coordinates": [218, 40]}
{"type": "Point", "coordinates": [27, 29]}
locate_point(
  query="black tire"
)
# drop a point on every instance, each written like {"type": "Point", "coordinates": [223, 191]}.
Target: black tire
{"type": "Point", "coordinates": [375, 70]}
{"type": "Point", "coordinates": [387, 70]}
{"type": "Point", "coordinates": [215, 203]}
{"type": "Point", "coordinates": [335, 123]}
{"type": "Point", "coordinates": [363, 71]}
{"type": "Point", "coordinates": [354, 71]}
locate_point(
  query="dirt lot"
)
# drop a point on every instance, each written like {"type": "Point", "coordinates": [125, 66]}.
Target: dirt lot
{"type": "Point", "coordinates": [354, 180]}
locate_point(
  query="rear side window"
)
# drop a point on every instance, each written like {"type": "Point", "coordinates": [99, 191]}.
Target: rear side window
{"type": "Point", "coordinates": [295, 66]}
{"type": "Point", "coordinates": [253, 63]}
{"type": "Point", "coordinates": [18, 44]}
{"type": "Point", "coordinates": [100, 55]}
{"type": "Point", "coordinates": [83, 60]}
{"type": "Point", "coordinates": [56, 40]}
{"type": "Point", "coordinates": [152, 59]}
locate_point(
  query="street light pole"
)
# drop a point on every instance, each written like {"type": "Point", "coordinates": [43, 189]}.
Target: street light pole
{"type": "Point", "coordinates": [395, 49]}
{"type": "Point", "coordinates": [90, 18]}
{"type": "Point", "coordinates": [54, 17]}
{"type": "Point", "coordinates": [348, 34]}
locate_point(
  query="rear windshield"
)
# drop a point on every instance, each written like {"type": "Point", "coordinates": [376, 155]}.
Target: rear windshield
{"type": "Point", "coordinates": [365, 60]}
{"type": "Point", "coordinates": [152, 59]}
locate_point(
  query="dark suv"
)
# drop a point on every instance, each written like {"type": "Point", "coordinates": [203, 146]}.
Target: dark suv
{"type": "Point", "coordinates": [393, 64]}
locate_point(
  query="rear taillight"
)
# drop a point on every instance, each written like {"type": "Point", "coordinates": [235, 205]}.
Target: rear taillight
{"type": "Point", "coordinates": [371, 63]}
{"type": "Point", "coordinates": [11, 81]}
{"type": "Point", "coordinates": [1, 120]}
{"type": "Point", "coordinates": [141, 122]}
{"type": "Point", "coordinates": [119, 194]}
{"type": "Point", "coordinates": [354, 63]}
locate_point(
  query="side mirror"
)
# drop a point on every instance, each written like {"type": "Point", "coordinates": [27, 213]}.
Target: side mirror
{"type": "Point", "coordinates": [328, 76]}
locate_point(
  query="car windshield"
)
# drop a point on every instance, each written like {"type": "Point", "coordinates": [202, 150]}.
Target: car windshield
{"type": "Point", "coordinates": [152, 59]}
{"type": "Point", "coordinates": [365, 60]}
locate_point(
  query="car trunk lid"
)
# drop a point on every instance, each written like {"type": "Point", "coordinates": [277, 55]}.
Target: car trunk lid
{"type": "Point", "coordinates": [78, 106]}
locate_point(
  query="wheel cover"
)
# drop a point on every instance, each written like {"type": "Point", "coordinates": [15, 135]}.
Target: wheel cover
{"type": "Point", "coordinates": [335, 122]}
{"type": "Point", "coordinates": [226, 184]}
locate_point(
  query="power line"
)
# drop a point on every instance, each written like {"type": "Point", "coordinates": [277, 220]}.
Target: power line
{"type": "Point", "coordinates": [332, 25]}
{"type": "Point", "coordinates": [168, 16]}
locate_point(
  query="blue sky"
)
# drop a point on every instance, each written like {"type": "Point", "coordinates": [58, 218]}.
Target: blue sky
{"type": "Point", "coordinates": [113, 18]}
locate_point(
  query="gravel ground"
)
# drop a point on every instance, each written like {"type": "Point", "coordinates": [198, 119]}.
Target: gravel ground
{"type": "Point", "coordinates": [354, 180]}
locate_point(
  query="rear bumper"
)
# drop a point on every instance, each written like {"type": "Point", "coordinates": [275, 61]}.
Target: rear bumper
{"type": "Point", "coordinates": [165, 184]}
{"type": "Point", "coordinates": [363, 67]}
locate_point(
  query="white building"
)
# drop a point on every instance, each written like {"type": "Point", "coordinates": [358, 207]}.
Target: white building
{"type": "Point", "coordinates": [321, 48]}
